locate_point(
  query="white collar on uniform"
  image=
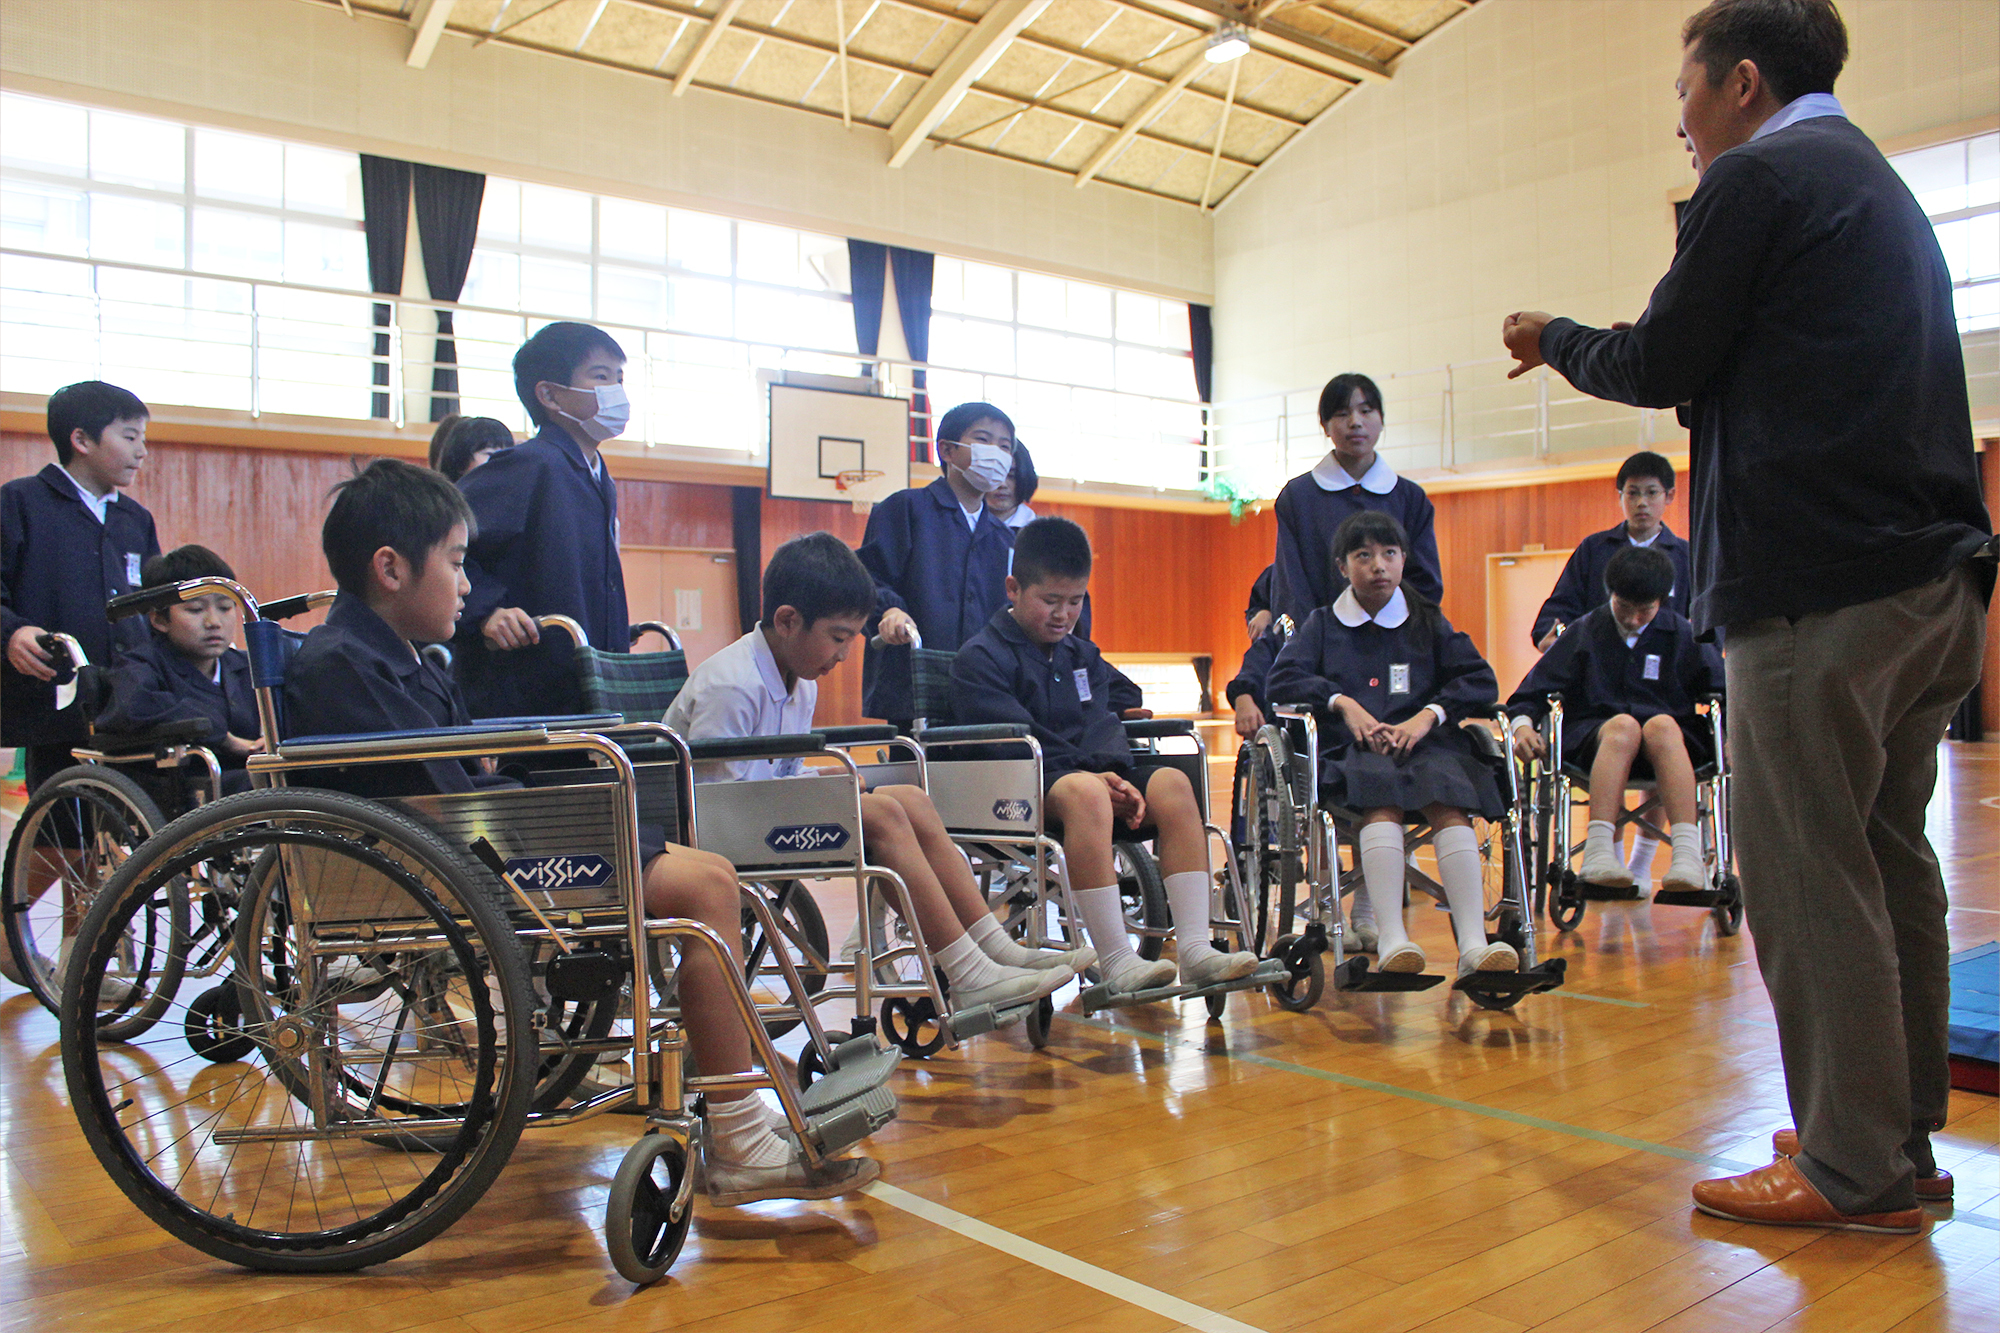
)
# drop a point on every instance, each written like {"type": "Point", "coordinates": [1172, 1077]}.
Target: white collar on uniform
{"type": "Point", "coordinates": [767, 669]}
{"type": "Point", "coordinates": [1380, 479]}
{"type": "Point", "coordinates": [1348, 611]}
{"type": "Point", "coordinates": [96, 504]}
{"type": "Point", "coordinates": [1630, 540]}
{"type": "Point", "coordinates": [1801, 108]}
{"type": "Point", "coordinates": [1021, 517]}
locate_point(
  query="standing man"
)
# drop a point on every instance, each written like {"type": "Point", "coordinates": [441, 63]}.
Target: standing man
{"type": "Point", "coordinates": [1805, 330]}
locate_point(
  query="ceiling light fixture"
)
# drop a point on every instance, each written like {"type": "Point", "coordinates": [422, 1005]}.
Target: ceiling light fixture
{"type": "Point", "coordinates": [1228, 42]}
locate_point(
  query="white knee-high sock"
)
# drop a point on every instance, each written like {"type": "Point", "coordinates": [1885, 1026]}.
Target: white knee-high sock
{"type": "Point", "coordinates": [1104, 921]}
{"type": "Point", "coordinates": [1187, 899]}
{"type": "Point", "coordinates": [1644, 847]}
{"type": "Point", "coordinates": [1464, 891]}
{"type": "Point", "coordinates": [1381, 854]}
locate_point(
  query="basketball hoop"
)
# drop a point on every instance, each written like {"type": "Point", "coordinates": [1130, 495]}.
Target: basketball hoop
{"type": "Point", "coordinates": [844, 481]}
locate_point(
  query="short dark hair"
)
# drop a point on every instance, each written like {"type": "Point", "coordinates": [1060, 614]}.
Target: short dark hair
{"type": "Point", "coordinates": [458, 438]}
{"type": "Point", "coordinates": [817, 576]}
{"type": "Point", "coordinates": [1640, 574]}
{"type": "Point", "coordinates": [89, 407]}
{"type": "Point", "coordinates": [1051, 548]}
{"type": "Point", "coordinates": [1645, 464]}
{"type": "Point", "coordinates": [1026, 480]}
{"type": "Point", "coordinates": [967, 415]}
{"type": "Point", "coordinates": [1799, 46]}
{"type": "Point", "coordinates": [1341, 388]}
{"type": "Point", "coordinates": [552, 355]}
{"type": "Point", "coordinates": [1365, 526]}
{"type": "Point", "coordinates": [184, 563]}
{"type": "Point", "coordinates": [407, 508]}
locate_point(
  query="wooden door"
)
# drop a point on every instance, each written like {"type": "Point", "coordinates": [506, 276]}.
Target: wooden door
{"type": "Point", "coordinates": [1517, 583]}
{"type": "Point", "coordinates": [691, 588]}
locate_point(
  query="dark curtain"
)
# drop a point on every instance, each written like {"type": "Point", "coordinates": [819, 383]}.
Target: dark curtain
{"type": "Point", "coordinates": [746, 527]}
{"type": "Point", "coordinates": [913, 270]}
{"type": "Point", "coordinates": [1201, 340]}
{"type": "Point", "coordinates": [385, 221]}
{"type": "Point", "coordinates": [447, 225]}
{"type": "Point", "coordinates": [867, 262]}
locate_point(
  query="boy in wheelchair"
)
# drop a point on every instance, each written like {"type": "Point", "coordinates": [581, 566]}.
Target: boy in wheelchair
{"type": "Point", "coordinates": [1630, 674]}
{"type": "Point", "coordinates": [1397, 679]}
{"type": "Point", "coordinates": [395, 539]}
{"type": "Point", "coordinates": [817, 598]}
{"type": "Point", "coordinates": [187, 668]}
{"type": "Point", "coordinates": [1025, 667]}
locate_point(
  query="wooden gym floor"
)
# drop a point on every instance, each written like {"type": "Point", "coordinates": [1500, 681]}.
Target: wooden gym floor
{"type": "Point", "coordinates": [1379, 1164]}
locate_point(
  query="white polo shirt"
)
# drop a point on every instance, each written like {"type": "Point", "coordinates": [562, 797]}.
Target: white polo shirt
{"type": "Point", "coordinates": [738, 693]}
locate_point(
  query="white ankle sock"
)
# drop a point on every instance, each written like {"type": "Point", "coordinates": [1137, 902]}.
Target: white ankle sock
{"type": "Point", "coordinates": [966, 967]}
{"type": "Point", "coordinates": [1381, 853]}
{"type": "Point", "coordinates": [1187, 899]}
{"type": "Point", "coordinates": [1644, 847]}
{"type": "Point", "coordinates": [1687, 842]}
{"type": "Point", "coordinates": [1600, 838]}
{"type": "Point", "coordinates": [996, 944]}
{"type": "Point", "coordinates": [1464, 890]}
{"type": "Point", "coordinates": [742, 1134]}
{"type": "Point", "coordinates": [1104, 920]}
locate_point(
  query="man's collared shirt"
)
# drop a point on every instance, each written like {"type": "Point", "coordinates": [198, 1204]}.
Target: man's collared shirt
{"type": "Point", "coordinates": [739, 693]}
{"type": "Point", "coordinates": [1801, 108]}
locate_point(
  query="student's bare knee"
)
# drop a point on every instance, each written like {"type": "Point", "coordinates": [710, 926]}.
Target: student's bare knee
{"type": "Point", "coordinates": [1622, 730]}
{"type": "Point", "coordinates": [1081, 799]}
{"type": "Point", "coordinates": [1662, 730]}
{"type": "Point", "coordinates": [1384, 815]}
{"type": "Point", "coordinates": [883, 815]}
{"type": "Point", "coordinates": [1445, 816]}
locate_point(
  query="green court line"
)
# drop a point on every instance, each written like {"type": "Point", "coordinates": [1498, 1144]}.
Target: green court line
{"type": "Point", "coordinates": [1563, 994]}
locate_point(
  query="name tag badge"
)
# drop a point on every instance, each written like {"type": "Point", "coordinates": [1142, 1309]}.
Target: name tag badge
{"type": "Point", "coordinates": [1399, 678]}
{"type": "Point", "coordinates": [132, 568]}
{"type": "Point", "coordinates": [1082, 685]}
{"type": "Point", "coordinates": [1651, 670]}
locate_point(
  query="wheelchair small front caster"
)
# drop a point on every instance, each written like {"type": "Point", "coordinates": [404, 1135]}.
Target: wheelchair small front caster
{"type": "Point", "coordinates": [1038, 1021]}
{"type": "Point", "coordinates": [914, 1026]}
{"type": "Point", "coordinates": [812, 1066]}
{"type": "Point", "coordinates": [1308, 979]}
{"type": "Point", "coordinates": [1566, 902]}
{"type": "Point", "coordinates": [1729, 912]}
{"type": "Point", "coordinates": [651, 1208]}
{"type": "Point", "coordinates": [214, 1026]}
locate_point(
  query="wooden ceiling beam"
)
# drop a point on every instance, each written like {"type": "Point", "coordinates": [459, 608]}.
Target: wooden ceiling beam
{"type": "Point", "coordinates": [427, 22]}
{"type": "Point", "coordinates": [972, 57]}
{"type": "Point", "coordinates": [1142, 117]}
{"type": "Point", "coordinates": [1274, 38]}
{"type": "Point", "coordinates": [709, 37]}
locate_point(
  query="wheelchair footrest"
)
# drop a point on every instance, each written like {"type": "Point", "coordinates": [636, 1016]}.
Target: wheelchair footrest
{"type": "Point", "coordinates": [1689, 897]}
{"type": "Point", "coordinates": [1598, 893]}
{"type": "Point", "coordinates": [849, 1103]}
{"type": "Point", "coordinates": [1353, 975]}
{"type": "Point", "coordinates": [1269, 972]}
{"type": "Point", "coordinates": [852, 1121]}
{"type": "Point", "coordinates": [986, 1018]}
{"type": "Point", "coordinates": [1544, 976]}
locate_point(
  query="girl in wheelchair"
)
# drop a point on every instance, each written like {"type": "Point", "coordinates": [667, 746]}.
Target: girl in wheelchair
{"type": "Point", "coordinates": [1397, 679]}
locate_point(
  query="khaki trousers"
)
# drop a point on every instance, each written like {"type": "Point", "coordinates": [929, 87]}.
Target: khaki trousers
{"type": "Point", "coordinates": [1835, 721]}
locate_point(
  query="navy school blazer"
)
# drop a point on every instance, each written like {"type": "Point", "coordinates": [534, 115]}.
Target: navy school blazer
{"type": "Point", "coordinates": [1309, 515]}
{"type": "Point", "coordinates": [1664, 671]}
{"type": "Point", "coordinates": [1255, 672]}
{"type": "Point", "coordinates": [1580, 588]}
{"type": "Point", "coordinates": [949, 577]}
{"type": "Point", "coordinates": [547, 543]}
{"type": "Point", "coordinates": [1326, 658]}
{"type": "Point", "coordinates": [58, 567]}
{"type": "Point", "coordinates": [1068, 695]}
{"type": "Point", "coordinates": [154, 684]}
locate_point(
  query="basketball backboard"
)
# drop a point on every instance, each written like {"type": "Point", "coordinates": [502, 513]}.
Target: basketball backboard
{"type": "Point", "coordinates": [834, 444]}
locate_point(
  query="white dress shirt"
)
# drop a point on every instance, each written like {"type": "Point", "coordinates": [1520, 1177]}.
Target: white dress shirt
{"type": "Point", "coordinates": [96, 504]}
{"type": "Point", "coordinates": [1809, 107]}
{"type": "Point", "coordinates": [739, 693]}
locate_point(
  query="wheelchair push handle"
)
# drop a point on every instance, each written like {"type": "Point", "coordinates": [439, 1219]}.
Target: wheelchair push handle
{"type": "Point", "coordinates": [665, 631]}
{"type": "Point", "coordinates": [287, 607]}
{"type": "Point", "coordinates": [159, 599]}
{"type": "Point", "coordinates": [567, 626]}
{"type": "Point", "coordinates": [758, 747]}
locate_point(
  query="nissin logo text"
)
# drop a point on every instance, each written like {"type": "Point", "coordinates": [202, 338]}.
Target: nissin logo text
{"type": "Point", "coordinates": [806, 838]}
{"type": "Point", "coordinates": [548, 873]}
{"type": "Point", "coordinates": [1015, 812]}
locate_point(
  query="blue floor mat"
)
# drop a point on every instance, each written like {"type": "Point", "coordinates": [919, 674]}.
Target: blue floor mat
{"type": "Point", "coordinates": [1975, 1003]}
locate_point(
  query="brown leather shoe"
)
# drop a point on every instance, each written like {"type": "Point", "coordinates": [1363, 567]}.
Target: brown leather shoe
{"type": "Point", "coordinates": [1779, 1195]}
{"type": "Point", "coordinates": [1934, 1188]}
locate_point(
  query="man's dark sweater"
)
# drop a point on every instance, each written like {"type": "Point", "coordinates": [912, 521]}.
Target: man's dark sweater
{"type": "Point", "coordinates": [1806, 331]}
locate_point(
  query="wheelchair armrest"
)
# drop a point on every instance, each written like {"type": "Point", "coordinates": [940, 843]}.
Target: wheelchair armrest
{"type": "Point", "coordinates": [184, 731]}
{"type": "Point", "coordinates": [144, 600]}
{"type": "Point", "coordinates": [861, 735]}
{"type": "Point", "coordinates": [560, 722]}
{"type": "Point", "coordinates": [485, 727]}
{"type": "Point", "coordinates": [980, 731]}
{"type": "Point", "coordinates": [1153, 728]}
{"type": "Point", "coordinates": [758, 747]}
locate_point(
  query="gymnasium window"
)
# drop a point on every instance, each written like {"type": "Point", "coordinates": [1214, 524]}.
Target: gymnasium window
{"type": "Point", "coordinates": [1958, 184]}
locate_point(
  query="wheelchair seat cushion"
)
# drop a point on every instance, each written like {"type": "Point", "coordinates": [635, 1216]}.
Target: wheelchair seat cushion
{"type": "Point", "coordinates": [1580, 746]}
{"type": "Point", "coordinates": [1441, 770]}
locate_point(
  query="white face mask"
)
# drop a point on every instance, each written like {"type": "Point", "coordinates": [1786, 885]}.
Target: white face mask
{"type": "Point", "coordinates": [985, 467]}
{"type": "Point", "coordinates": [613, 414]}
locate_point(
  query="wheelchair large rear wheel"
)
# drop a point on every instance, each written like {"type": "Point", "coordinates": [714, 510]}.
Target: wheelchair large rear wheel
{"type": "Point", "coordinates": [393, 1035]}
{"type": "Point", "coordinates": [1271, 827]}
{"type": "Point", "coordinates": [802, 936]}
{"type": "Point", "coordinates": [77, 829]}
{"type": "Point", "coordinates": [1142, 897]}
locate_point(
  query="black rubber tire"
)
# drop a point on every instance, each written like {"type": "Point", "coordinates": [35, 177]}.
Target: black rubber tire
{"type": "Point", "coordinates": [214, 1026]}
{"type": "Point", "coordinates": [1142, 896]}
{"type": "Point", "coordinates": [913, 1025]}
{"type": "Point", "coordinates": [200, 1195]}
{"type": "Point", "coordinates": [798, 915]}
{"type": "Point", "coordinates": [1729, 912]}
{"type": "Point", "coordinates": [1297, 994]}
{"type": "Point", "coordinates": [97, 814]}
{"type": "Point", "coordinates": [1566, 902]}
{"type": "Point", "coordinates": [811, 1066]}
{"type": "Point", "coordinates": [1037, 1022]}
{"type": "Point", "coordinates": [640, 1232]}
{"type": "Point", "coordinates": [1217, 1004]}
{"type": "Point", "coordinates": [1498, 1004]}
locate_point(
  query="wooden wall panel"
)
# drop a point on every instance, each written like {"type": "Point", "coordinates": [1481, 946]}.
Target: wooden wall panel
{"type": "Point", "coordinates": [840, 689]}
{"type": "Point", "coordinates": [674, 513]}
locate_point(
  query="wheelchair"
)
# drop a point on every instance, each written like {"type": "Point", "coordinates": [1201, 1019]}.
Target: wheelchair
{"type": "Point", "coordinates": [987, 783]}
{"type": "Point", "coordinates": [1288, 846]}
{"type": "Point", "coordinates": [1556, 787]}
{"type": "Point", "coordinates": [85, 820]}
{"type": "Point", "coordinates": [416, 979]}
